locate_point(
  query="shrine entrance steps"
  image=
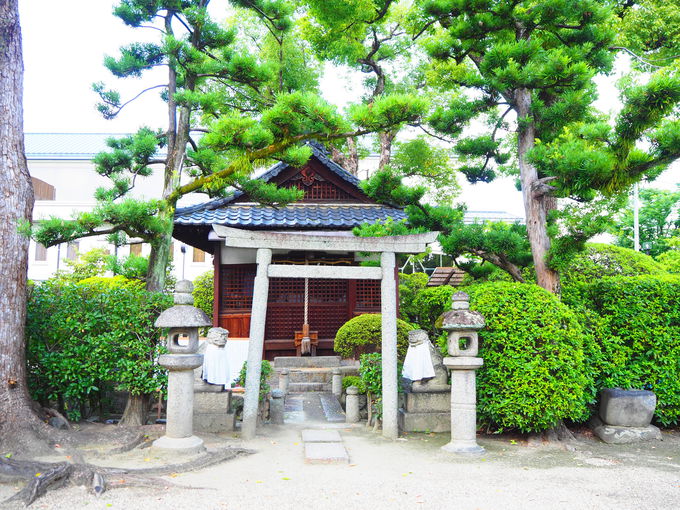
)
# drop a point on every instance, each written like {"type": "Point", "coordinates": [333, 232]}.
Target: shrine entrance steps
{"type": "Point", "coordinates": [310, 373]}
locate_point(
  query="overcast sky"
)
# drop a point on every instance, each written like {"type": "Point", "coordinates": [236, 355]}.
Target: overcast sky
{"type": "Point", "coordinates": [64, 45]}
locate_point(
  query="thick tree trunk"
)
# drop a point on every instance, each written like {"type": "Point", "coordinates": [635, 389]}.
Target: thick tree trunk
{"type": "Point", "coordinates": [136, 411]}
{"type": "Point", "coordinates": [386, 139]}
{"type": "Point", "coordinates": [535, 204]}
{"type": "Point", "coordinates": [349, 161]}
{"type": "Point", "coordinates": [16, 204]}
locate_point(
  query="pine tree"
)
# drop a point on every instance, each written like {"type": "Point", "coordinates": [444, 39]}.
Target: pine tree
{"type": "Point", "coordinates": [526, 69]}
{"type": "Point", "coordinates": [249, 103]}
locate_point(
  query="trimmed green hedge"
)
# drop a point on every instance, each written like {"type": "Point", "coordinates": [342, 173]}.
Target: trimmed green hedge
{"type": "Point", "coordinates": [85, 337]}
{"type": "Point", "coordinates": [364, 332]}
{"type": "Point", "coordinates": [534, 371]}
{"type": "Point", "coordinates": [640, 337]}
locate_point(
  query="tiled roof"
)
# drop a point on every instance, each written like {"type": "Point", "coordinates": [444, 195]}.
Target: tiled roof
{"type": "Point", "coordinates": [482, 216]}
{"type": "Point", "coordinates": [66, 145]}
{"type": "Point", "coordinates": [318, 151]}
{"type": "Point", "coordinates": [303, 215]}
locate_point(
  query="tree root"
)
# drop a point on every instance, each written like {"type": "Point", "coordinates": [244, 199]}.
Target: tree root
{"type": "Point", "coordinates": [43, 476]}
{"type": "Point", "coordinates": [559, 434]}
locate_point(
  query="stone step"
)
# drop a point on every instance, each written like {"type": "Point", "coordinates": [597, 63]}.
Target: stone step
{"type": "Point", "coordinates": [306, 361]}
{"type": "Point", "coordinates": [311, 375]}
{"type": "Point", "coordinates": [332, 408]}
{"type": "Point", "coordinates": [303, 387]}
{"type": "Point", "coordinates": [326, 453]}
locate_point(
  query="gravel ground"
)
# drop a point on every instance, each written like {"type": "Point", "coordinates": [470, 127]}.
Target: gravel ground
{"type": "Point", "coordinates": [411, 473]}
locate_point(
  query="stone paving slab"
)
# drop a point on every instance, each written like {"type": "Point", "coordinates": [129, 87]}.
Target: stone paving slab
{"type": "Point", "coordinates": [332, 408]}
{"type": "Point", "coordinates": [321, 436]}
{"type": "Point", "coordinates": [325, 453]}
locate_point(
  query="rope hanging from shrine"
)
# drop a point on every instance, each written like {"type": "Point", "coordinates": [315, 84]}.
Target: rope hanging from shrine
{"type": "Point", "coordinates": [306, 344]}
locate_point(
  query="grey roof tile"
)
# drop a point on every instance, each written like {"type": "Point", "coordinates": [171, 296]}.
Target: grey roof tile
{"type": "Point", "coordinates": [293, 216]}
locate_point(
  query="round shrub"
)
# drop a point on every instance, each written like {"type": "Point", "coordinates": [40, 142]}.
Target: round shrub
{"type": "Point", "coordinates": [640, 337]}
{"type": "Point", "coordinates": [534, 371]}
{"type": "Point", "coordinates": [601, 261]}
{"type": "Point", "coordinates": [363, 334]}
{"type": "Point", "coordinates": [204, 293]}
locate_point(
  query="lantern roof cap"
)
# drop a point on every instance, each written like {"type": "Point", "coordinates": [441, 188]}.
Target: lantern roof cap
{"type": "Point", "coordinates": [460, 318]}
{"type": "Point", "coordinates": [183, 314]}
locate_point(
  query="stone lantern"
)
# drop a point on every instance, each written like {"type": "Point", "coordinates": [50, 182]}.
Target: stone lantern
{"type": "Point", "coordinates": [462, 325]}
{"type": "Point", "coordinates": [183, 320]}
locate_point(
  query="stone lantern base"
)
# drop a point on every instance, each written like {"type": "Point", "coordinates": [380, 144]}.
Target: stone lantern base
{"type": "Point", "coordinates": [466, 447]}
{"type": "Point", "coordinates": [182, 445]}
{"type": "Point", "coordinates": [463, 405]}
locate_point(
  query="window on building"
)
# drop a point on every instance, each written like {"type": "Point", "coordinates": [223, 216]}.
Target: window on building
{"type": "Point", "coordinates": [136, 249]}
{"type": "Point", "coordinates": [43, 190]}
{"type": "Point", "coordinates": [40, 253]}
{"type": "Point", "coordinates": [72, 250]}
{"type": "Point", "coordinates": [199, 255]}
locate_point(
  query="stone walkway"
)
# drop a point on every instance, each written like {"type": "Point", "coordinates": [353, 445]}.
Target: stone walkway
{"type": "Point", "coordinates": [324, 447]}
{"type": "Point", "coordinates": [322, 444]}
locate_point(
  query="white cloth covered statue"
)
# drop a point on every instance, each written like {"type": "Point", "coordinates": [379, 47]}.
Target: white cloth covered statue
{"type": "Point", "coordinates": [215, 360]}
{"type": "Point", "coordinates": [418, 363]}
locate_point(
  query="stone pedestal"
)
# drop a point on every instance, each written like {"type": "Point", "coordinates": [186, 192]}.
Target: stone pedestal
{"type": "Point", "coordinates": [426, 410]}
{"type": "Point", "coordinates": [276, 407]}
{"type": "Point", "coordinates": [284, 380]}
{"type": "Point", "coordinates": [212, 410]}
{"type": "Point", "coordinates": [212, 405]}
{"type": "Point", "coordinates": [352, 405]}
{"type": "Point", "coordinates": [336, 382]}
{"type": "Point", "coordinates": [463, 404]}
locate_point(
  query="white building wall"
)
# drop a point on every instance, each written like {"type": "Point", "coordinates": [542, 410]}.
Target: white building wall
{"type": "Point", "coordinates": [75, 182]}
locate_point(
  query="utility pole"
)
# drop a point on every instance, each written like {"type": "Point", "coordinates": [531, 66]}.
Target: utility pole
{"type": "Point", "coordinates": [636, 216]}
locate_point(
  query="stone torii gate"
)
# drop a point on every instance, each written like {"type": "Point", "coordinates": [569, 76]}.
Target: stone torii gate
{"type": "Point", "coordinates": [265, 242]}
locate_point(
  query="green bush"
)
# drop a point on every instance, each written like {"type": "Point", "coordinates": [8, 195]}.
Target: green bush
{"type": "Point", "coordinates": [204, 293]}
{"type": "Point", "coordinates": [640, 337]}
{"type": "Point", "coordinates": [409, 287]}
{"type": "Point", "coordinates": [364, 332]}
{"type": "Point", "coordinates": [670, 261]}
{"type": "Point", "coordinates": [353, 380]}
{"type": "Point", "coordinates": [422, 305]}
{"type": "Point", "coordinates": [431, 303]}
{"type": "Point", "coordinates": [601, 261]}
{"type": "Point", "coordinates": [534, 371]}
{"type": "Point", "coordinates": [84, 337]}
{"type": "Point", "coordinates": [265, 372]}
{"type": "Point", "coordinates": [370, 373]}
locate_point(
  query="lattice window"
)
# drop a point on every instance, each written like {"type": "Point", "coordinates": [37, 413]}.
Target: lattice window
{"type": "Point", "coordinates": [236, 283]}
{"type": "Point", "coordinates": [319, 190]}
{"type": "Point", "coordinates": [328, 307]}
{"type": "Point", "coordinates": [368, 295]}
{"type": "Point", "coordinates": [285, 308]}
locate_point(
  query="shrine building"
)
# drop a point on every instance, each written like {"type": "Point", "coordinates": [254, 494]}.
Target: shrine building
{"type": "Point", "coordinates": [333, 205]}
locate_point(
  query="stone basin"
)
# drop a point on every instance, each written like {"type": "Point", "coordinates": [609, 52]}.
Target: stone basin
{"type": "Point", "coordinates": [627, 408]}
